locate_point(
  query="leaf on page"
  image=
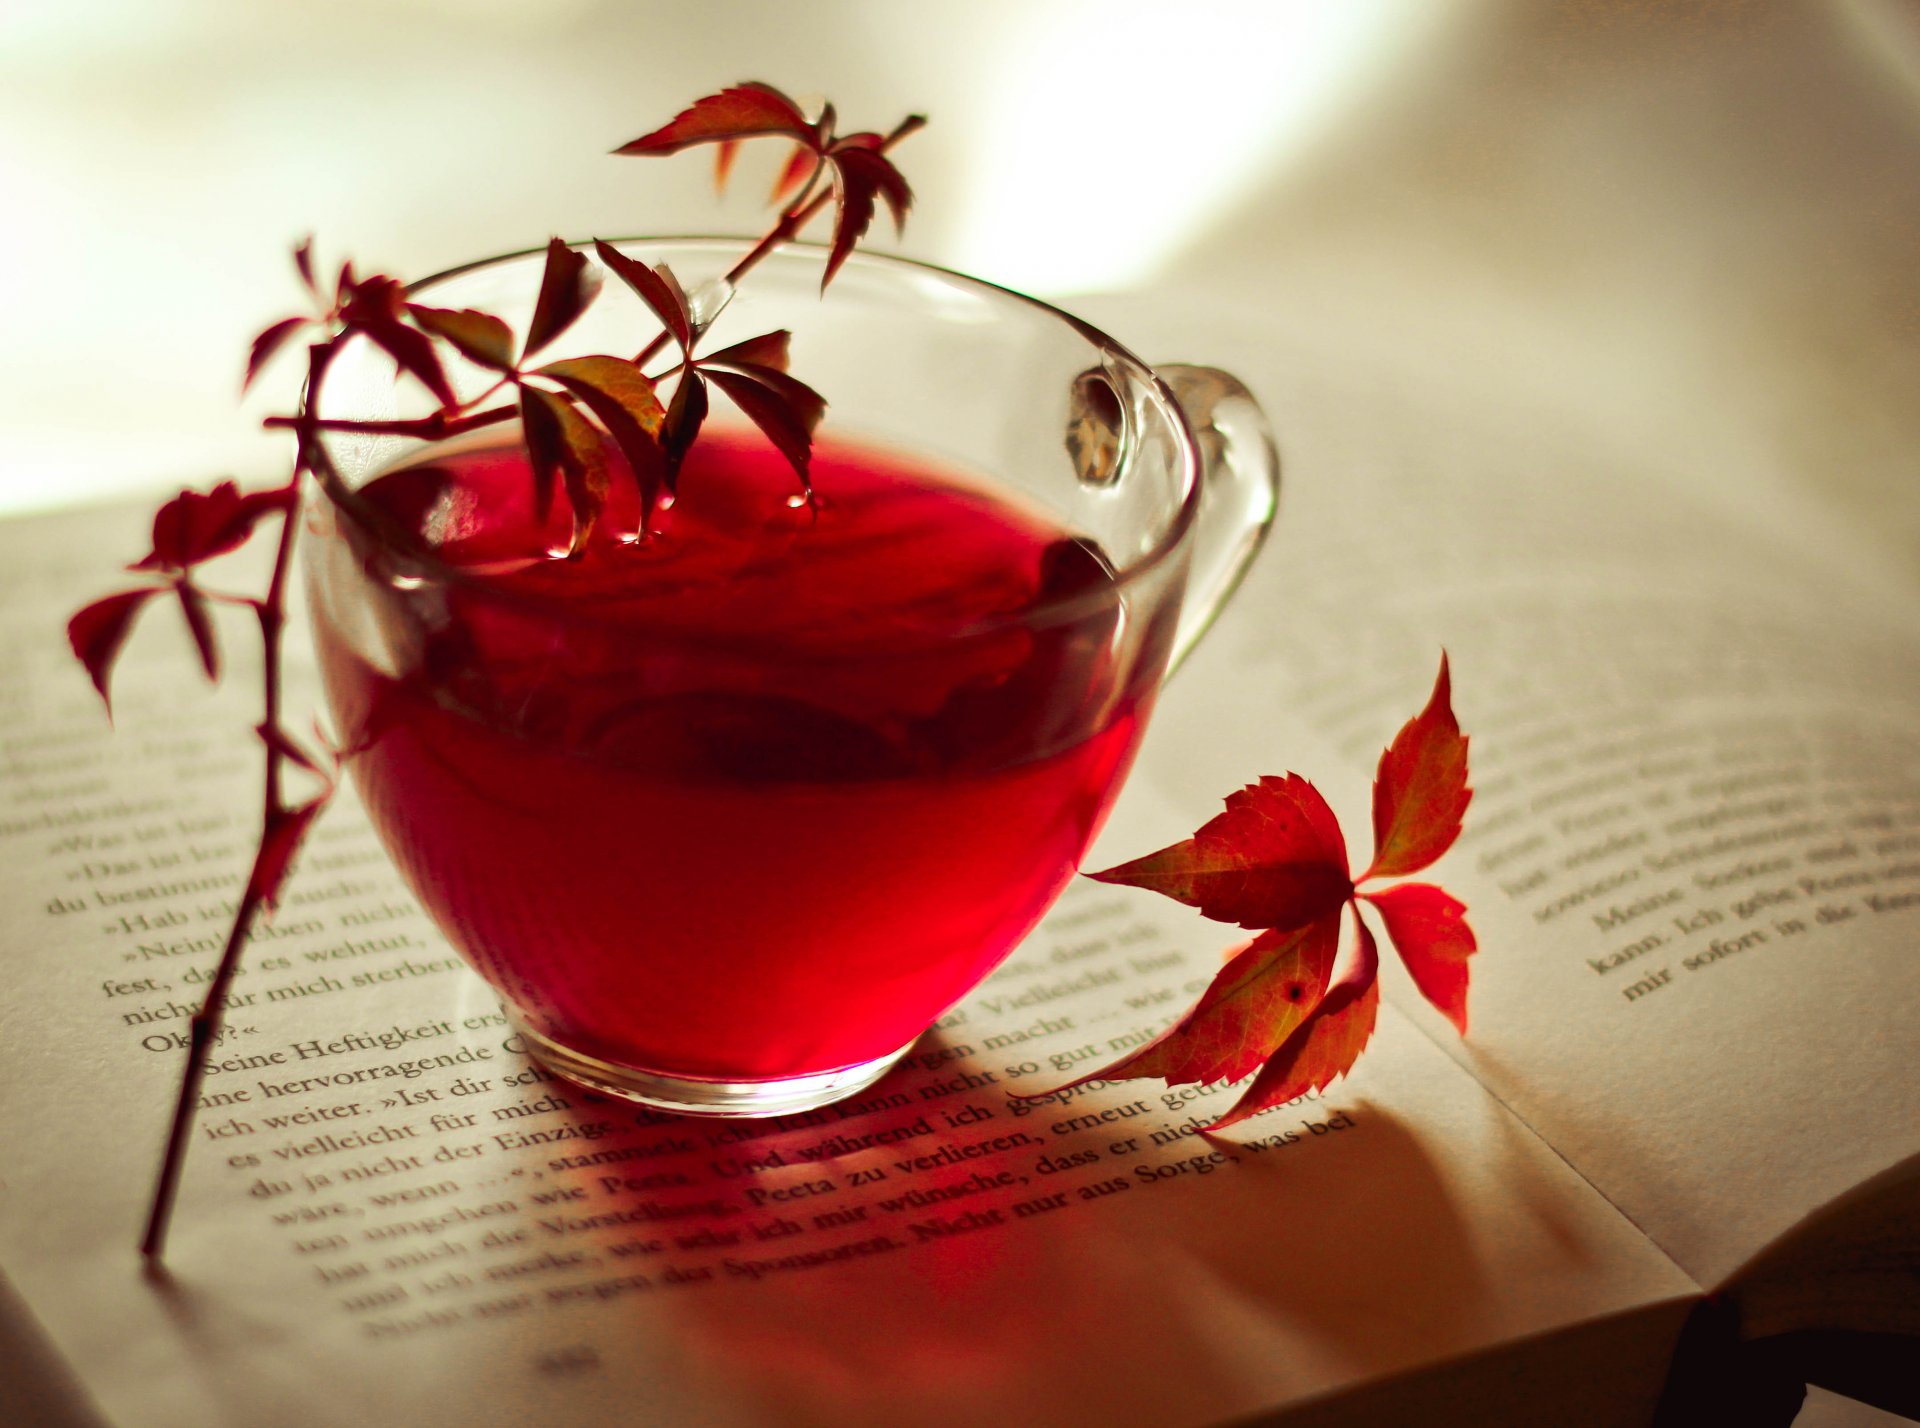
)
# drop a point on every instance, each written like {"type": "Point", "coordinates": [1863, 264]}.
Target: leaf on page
{"type": "Point", "coordinates": [1276, 860]}
{"type": "Point", "coordinates": [1420, 792]}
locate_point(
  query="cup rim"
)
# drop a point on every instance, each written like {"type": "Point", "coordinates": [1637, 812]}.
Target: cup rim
{"type": "Point", "coordinates": [1056, 610]}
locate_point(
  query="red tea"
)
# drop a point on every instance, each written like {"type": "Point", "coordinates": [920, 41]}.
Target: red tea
{"type": "Point", "coordinates": [760, 794]}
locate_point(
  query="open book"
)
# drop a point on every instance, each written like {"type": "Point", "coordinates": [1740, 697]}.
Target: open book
{"type": "Point", "coordinates": [1693, 863]}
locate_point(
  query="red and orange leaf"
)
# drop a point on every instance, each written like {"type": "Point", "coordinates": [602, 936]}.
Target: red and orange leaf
{"type": "Point", "coordinates": [477, 336]}
{"type": "Point", "coordinates": [739, 112]}
{"type": "Point", "coordinates": [1322, 1048]}
{"type": "Point", "coordinates": [268, 343]}
{"type": "Point", "coordinates": [724, 153]}
{"type": "Point", "coordinates": [280, 840]}
{"type": "Point", "coordinates": [559, 438]}
{"type": "Point", "coordinates": [660, 291]}
{"type": "Point", "coordinates": [1274, 859]}
{"type": "Point", "coordinates": [567, 284]}
{"type": "Point", "coordinates": [623, 400]}
{"type": "Point", "coordinates": [1253, 1004]}
{"type": "Point", "coordinates": [193, 603]}
{"type": "Point", "coordinates": [98, 632]}
{"type": "Point", "coordinates": [796, 174]}
{"type": "Point", "coordinates": [1420, 791]}
{"type": "Point", "coordinates": [1428, 928]}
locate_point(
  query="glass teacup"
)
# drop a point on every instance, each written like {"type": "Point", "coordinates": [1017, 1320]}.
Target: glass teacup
{"type": "Point", "coordinates": [729, 809]}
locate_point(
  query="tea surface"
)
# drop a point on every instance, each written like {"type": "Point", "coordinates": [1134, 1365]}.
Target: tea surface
{"type": "Point", "coordinates": [760, 794]}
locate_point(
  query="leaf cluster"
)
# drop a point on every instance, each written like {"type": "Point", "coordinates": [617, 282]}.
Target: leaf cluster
{"type": "Point", "coordinates": [1276, 861]}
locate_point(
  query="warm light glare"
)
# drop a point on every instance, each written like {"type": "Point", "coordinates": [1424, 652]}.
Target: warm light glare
{"type": "Point", "coordinates": [1180, 111]}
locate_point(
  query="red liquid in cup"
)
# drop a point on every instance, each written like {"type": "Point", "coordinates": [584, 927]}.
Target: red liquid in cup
{"type": "Point", "coordinates": [761, 795]}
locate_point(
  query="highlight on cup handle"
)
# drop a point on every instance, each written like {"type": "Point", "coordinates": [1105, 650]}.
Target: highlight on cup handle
{"type": "Point", "coordinates": [1240, 491]}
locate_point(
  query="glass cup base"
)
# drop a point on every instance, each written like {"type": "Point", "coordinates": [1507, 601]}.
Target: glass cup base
{"type": "Point", "coordinates": [699, 1096]}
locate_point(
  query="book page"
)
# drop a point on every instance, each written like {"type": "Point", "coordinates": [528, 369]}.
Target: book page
{"type": "Point", "coordinates": [392, 1215]}
{"type": "Point", "coordinates": [1693, 855]}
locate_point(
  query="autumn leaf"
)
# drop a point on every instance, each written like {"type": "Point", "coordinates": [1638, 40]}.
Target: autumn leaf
{"type": "Point", "coordinates": [376, 308]}
{"type": "Point", "coordinates": [1255, 1001]}
{"type": "Point", "coordinates": [477, 336]}
{"type": "Point", "coordinates": [268, 343]}
{"type": "Point", "coordinates": [568, 284]}
{"type": "Point", "coordinates": [280, 839]}
{"type": "Point", "coordinates": [193, 603]}
{"type": "Point", "coordinates": [783, 407]}
{"type": "Point", "coordinates": [1324, 1046]}
{"type": "Point", "coordinates": [743, 111]}
{"type": "Point", "coordinates": [1276, 860]}
{"type": "Point", "coordinates": [196, 526]}
{"type": "Point", "coordinates": [559, 439]}
{"type": "Point", "coordinates": [657, 288]}
{"type": "Point", "coordinates": [686, 412]}
{"type": "Point", "coordinates": [623, 400]}
{"type": "Point", "coordinates": [769, 349]}
{"type": "Point", "coordinates": [860, 172]}
{"type": "Point", "coordinates": [98, 632]}
{"type": "Point", "coordinates": [1420, 792]}
{"type": "Point", "coordinates": [1428, 928]}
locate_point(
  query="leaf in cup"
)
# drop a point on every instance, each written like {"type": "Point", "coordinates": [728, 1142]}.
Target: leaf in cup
{"type": "Point", "coordinates": [622, 398]}
{"type": "Point", "coordinates": [567, 285]}
{"type": "Point", "coordinates": [479, 337]}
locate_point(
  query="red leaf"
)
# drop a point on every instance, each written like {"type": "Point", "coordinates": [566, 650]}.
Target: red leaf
{"type": "Point", "coordinates": [685, 413]}
{"type": "Point", "coordinates": [280, 743]}
{"type": "Point", "coordinates": [1420, 792]}
{"type": "Point", "coordinates": [374, 309]}
{"type": "Point", "coordinates": [723, 156]}
{"type": "Point", "coordinates": [558, 437]}
{"type": "Point", "coordinates": [193, 526]}
{"type": "Point", "coordinates": [860, 172]}
{"type": "Point", "coordinates": [796, 174]}
{"type": "Point", "coordinates": [619, 394]}
{"type": "Point", "coordinates": [568, 283]}
{"type": "Point", "coordinates": [784, 408]}
{"type": "Point", "coordinates": [740, 112]}
{"type": "Point", "coordinates": [193, 603]}
{"type": "Point", "coordinates": [280, 840]}
{"type": "Point", "coordinates": [1324, 1046]}
{"type": "Point", "coordinates": [660, 291]}
{"type": "Point", "coordinates": [1274, 859]}
{"type": "Point", "coordinates": [1254, 1002]}
{"type": "Point", "coordinates": [303, 264]}
{"type": "Point", "coordinates": [268, 343]}
{"type": "Point", "coordinates": [767, 350]}
{"type": "Point", "coordinates": [1428, 928]}
{"type": "Point", "coordinates": [97, 633]}
{"type": "Point", "coordinates": [477, 336]}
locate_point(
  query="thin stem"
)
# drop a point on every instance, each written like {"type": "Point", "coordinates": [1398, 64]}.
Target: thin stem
{"type": "Point", "coordinates": [204, 1030]}
{"type": "Point", "coordinates": [790, 224]}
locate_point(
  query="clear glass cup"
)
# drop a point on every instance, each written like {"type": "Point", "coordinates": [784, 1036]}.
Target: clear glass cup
{"type": "Point", "coordinates": [733, 852]}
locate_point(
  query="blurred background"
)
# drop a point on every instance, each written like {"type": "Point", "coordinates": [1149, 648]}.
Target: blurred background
{"type": "Point", "coordinates": [1699, 218]}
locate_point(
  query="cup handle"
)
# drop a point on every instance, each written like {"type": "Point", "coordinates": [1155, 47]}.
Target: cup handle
{"type": "Point", "coordinates": [1239, 492]}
